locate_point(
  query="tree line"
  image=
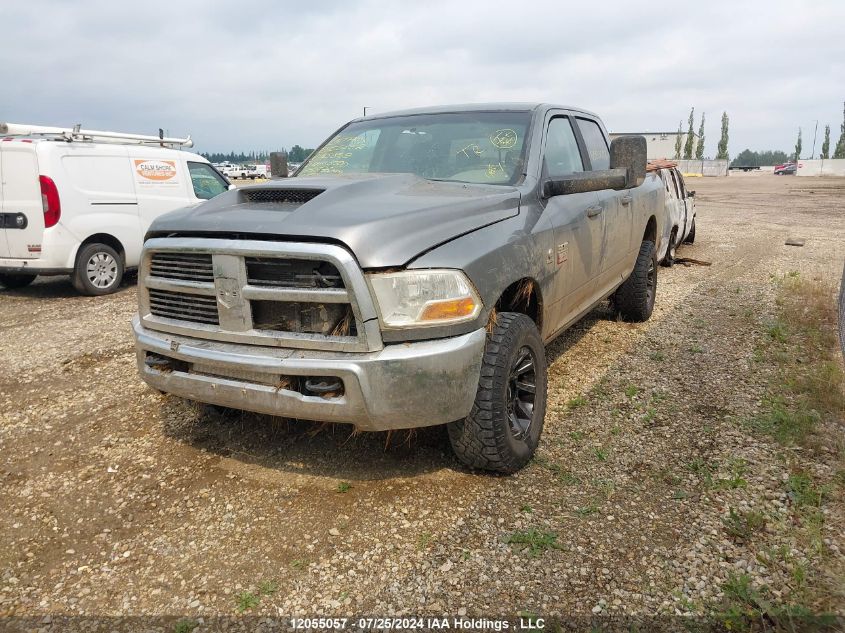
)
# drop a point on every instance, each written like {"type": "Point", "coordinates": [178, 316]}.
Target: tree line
{"type": "Point", "coordinates": [686, 149]}
{"type": "Point", "coordinates": [297, 154]}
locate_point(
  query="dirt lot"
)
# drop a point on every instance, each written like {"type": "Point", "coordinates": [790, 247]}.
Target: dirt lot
{"type": "Point", "coordinates": [118, 500]}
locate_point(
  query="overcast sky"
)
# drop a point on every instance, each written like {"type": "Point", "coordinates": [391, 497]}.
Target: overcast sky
{"type": "Point", "coordinates": [283, 73]}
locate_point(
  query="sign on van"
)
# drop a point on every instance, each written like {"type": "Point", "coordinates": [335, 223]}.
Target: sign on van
{"type": "Point", "coordinates": [156, 172]}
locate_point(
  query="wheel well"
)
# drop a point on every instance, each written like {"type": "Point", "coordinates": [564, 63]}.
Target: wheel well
{"type": "Point", "coordinates": [522, 296]}
{"type": "Point", "coordinates": [651, 230]}
{"type": "Point", "coordinates": [108, 240]}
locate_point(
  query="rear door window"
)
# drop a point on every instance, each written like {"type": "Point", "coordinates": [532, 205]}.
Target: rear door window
{"type": "Point", "coordinates": [562, 154]}
{"type": "Point", "coordinates": [595, 143]}
{"type": "Point", "coordinates": [207, 183]}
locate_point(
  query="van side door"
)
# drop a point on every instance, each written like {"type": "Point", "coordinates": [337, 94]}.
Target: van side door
{"type": "Point", "coordinates": [578, 224]}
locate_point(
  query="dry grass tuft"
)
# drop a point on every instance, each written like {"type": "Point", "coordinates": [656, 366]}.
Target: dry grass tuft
{"type": "Point", "coordinates": [344, 326]}
{"type": "Point", "coordinates": [524, 292]}
{"type": "Point", "coordinates": [493, 320]}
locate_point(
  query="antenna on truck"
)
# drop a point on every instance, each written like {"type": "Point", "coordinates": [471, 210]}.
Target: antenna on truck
{"type": "Point", "coordinates": [76, 133]}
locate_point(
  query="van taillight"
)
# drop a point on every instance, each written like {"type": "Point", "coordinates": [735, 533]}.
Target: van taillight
{"type": "Point", "coordinates": [50, 201]}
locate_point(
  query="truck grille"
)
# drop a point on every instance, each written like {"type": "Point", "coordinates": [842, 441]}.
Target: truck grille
{"type": "Point", "coordinates": [309, 296]}
{"type": "Point", "coordinates": [292, 273]}
{"type": "Point", "coordinates": [187, 307]}
{"type": "Point", "coordinates": [182, 266]}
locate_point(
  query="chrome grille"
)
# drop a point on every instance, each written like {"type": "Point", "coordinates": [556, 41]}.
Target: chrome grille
{"type": "Point", "coordinates": [182, 266]}
{"type": "Point", "coordinates": [298, 295]}
{"type": "Point", "coordinates": [187, 307]}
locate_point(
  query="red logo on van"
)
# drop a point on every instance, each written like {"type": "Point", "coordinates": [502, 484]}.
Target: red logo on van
{"type": "Point", "coordinates": [156, 169]}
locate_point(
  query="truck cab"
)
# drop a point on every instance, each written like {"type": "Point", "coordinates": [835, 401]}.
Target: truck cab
{"type": "Point", "coordinates": [409, 275]}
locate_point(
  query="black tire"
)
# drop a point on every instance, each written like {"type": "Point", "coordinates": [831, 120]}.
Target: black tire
{"type": "Point", "coordinates": [634, 299]}
{"type": "Point", "coordinates": [11, 281]}
{"type": "Point", "coordinates": [690, 238]}
{"type": "Point", "coordinates": [98, 270]}
{"type": "Point", "coordinates": [502, 431]}
{"type": "Point", "coordinates": [669, 258]}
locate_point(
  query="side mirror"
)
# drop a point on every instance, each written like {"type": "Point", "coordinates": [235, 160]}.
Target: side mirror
{"type": "Point", "coordinates": [691, 193]}
{"type": "Point", "coordinates": [629, 153]}
{"type": "Point", "coordinates": [627, 170]}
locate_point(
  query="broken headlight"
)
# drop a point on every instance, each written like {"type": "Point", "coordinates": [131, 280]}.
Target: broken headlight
{"type": "Point", "coordinates": [415, 298]}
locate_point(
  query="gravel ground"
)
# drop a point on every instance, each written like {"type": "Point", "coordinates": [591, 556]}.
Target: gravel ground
{"type": "Point", "coordinates": [120, 501]}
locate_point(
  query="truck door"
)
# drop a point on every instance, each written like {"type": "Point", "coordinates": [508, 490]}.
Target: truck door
{"type": "Point", "coordinates": [685, 204]}
{"type": "Point", "coordinates": [578, 224]}
{"type": "Point", "coordinates": [23, 212]}
{"type": "Point", "coordinates": [616, 208]}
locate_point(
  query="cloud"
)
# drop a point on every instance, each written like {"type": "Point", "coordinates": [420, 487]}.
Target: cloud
{"type": "Point", "coordinates": [275, 74]}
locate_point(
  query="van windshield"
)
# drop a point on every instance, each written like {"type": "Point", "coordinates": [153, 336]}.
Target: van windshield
{"type": "Point", "coordinates": [472, 147]}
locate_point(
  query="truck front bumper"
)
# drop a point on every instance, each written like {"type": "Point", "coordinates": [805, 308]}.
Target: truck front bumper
{"type": "Point", "coordinates": [401, 386]}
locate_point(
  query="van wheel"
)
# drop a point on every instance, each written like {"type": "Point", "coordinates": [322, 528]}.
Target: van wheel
{"type": "Point", "coordinates": [691, 235]}
{"type": "Point", "coordinates": [634, 299]}
{"type": "Point", "coordinates": [12, 281]}
{"type": "Point", "coordinates": [502, 431]}
{"type": "Point", "coordinates": [669, 258]}
{"type": "Point", "coordinates": [99, 270]}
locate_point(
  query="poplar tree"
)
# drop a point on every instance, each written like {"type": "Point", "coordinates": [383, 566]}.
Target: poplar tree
{"type": "Point", "coordinates": [798, 146]}
{"type": "Point", "coordinates": [689, 144]}
{"type": "Point", "coordinates": [722, 152]}
{"type": "Point", "coordinates": [839, 152]}
{"type": "Point", "coordinates": [699, 149]}
{"type": "Point", "coordinates": [826, 144]}
{"type": "Point", "coordinates": [679, 140]}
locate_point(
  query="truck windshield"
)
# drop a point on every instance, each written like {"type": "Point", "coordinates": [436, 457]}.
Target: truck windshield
{"type": "Point", "coordinates": [472, 147]}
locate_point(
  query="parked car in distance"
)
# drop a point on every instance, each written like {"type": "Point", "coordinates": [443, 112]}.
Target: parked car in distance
{"type": "Point", "coordinates": [679, 223]}
{"type": "Point", "coordinates": [786, 170]}
{"type": "Point", "coordinates": [79, 203]}
{"type": "Point", "coordinates": [409, 275]}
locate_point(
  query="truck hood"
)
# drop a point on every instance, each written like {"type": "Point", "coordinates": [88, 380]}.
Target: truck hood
{"type": "Point", "coordinates": [384, 219]}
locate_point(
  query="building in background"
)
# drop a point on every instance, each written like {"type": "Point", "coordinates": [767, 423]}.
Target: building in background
{"type": "Point", "coordinates": [660, 144]}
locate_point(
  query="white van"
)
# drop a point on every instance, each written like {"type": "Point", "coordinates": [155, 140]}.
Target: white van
{"type": "Point", "coordinates": [79, 202]}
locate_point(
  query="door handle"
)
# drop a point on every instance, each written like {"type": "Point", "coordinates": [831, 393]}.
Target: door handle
{"type": "Point", "coordinates": [626, 199]}
{"type": "Point", "coordinates": [594, 211]}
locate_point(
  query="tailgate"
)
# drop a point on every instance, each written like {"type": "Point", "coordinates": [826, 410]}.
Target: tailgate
{"type": "Point", "coordinates": [21, 199]}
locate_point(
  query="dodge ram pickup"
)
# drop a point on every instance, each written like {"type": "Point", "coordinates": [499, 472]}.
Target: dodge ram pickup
{"type": "Point", "coordinates": [410, 274]}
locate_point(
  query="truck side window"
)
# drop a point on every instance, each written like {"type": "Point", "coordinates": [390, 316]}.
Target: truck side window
{"type": "Point", "coordinates": [596, 144]}
{"type": "Point", "coordinates": [207, 182]}
{"type": "Point", "coordinates": [562, 155]}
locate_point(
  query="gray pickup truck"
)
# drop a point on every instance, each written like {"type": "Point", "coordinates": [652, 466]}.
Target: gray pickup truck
{"type": "Point", "coordinates": [408, 275]}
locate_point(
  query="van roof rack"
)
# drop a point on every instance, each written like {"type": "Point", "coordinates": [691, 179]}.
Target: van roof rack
{"type": "Point", "coordinates": [76, 133]}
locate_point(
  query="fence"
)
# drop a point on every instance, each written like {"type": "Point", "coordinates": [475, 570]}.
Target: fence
{"type": "Point", "coordinates": [703, 167]}
{"type": "Point", "coordinates": [821, 167]}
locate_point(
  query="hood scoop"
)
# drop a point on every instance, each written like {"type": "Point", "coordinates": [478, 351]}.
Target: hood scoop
{"type": "Point", "coordinates": [264, 195]}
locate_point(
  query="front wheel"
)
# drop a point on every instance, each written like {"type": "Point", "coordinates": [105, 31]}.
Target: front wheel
{"type": "Point", "coordinates": [502, 431]}
{"type": "Point", "coordinates": [634, 299]}
{"type": "Point", "coordinates": [11, 281]}
{"type": "Point", "coordinates": [98, 271]}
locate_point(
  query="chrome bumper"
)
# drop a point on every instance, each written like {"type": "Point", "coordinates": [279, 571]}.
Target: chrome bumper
{"type": "Point", "coordinates": [401, 386]}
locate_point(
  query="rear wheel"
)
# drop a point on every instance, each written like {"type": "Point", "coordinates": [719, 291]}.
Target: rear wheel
{"type": "Point", "coordinates": [634, 299]}
{"type": "Point", "coordinates": [99, 270]}
{"type": "Point", "coordinates": [502, 431]}
{"type": "Point", "coordinates": [691, 235]}
{"type": "Point", "coordinates": [12, 281]}
{"type": "Point", "coordinates": [669, 258]}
